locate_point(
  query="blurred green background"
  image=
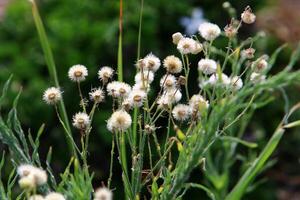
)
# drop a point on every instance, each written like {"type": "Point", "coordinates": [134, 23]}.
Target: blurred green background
{"type": "Point", "coordinates": [85, 32]}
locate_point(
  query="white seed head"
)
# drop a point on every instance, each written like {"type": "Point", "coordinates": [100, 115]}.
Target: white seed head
{"type": "Point", "coordinates": [81, 120]}
{"type": "Point", "coordinates": [77, 73]}
{"type": "Point", "coordinates": [105, 74]}
{"type": "Point", "coordinates": [141, 86]}
{"type": "Point", "coordinates": [119, 121]}
{"type": "Point", "coordinates": [118, 89]}
{"type": "Point", "coordinates": [152, 62]}
{"type": "Point", "coordinates": [36, 197]}
{"type": "Point", "coordinates": [145, 77]}
{"type": "Point", "coordinates": [260, 65]}
{"type": "Point", "coordinates": [197, 101]}
{"type": "Point", "coordinates": [52, 95]}
{"type": "Point", "coordinates": [169, 97]}
{"type": "Point", "coordinates": [27, 182]}
{"type": "Point", "coordinates": [173, 64]}
{"type": "Point", "coordinates": [181, 112]}
{"type": "Point", "coordinates": [103, 193]}
{"type": "Point", "coordinates": [176, 37]}
{"type": "Point", "coordinates": [25, 170]}
{"type": "Point", "coordinates": [248, 53]}
{"type": "Point", "coordinates": [222, 80]}
{"type": "Point", "coordinates": [209, 31]}
{"type": "Point", "coordinates": [168, 82]}
{"type": "Point", "coordinates": [236, 83]}
{"type": "Point", "coordinates": [207, 66]}
{"type": "Point", "coordinates": [97, 95]}
{"type": "Point", "coordinates": [256, 78]}
{"type": "Point", "coordinates": [55, 196]}
{"type": "Point", "coordinates": [38, 175]}
{"type": "Point", "coordinates": [186, 45]}
{"type": "Point", "coordinates": [137, 97]}
{"type": "Point", "coordinates": [247, 16]}
{"type": "Point", "coordinates": [198, 48]}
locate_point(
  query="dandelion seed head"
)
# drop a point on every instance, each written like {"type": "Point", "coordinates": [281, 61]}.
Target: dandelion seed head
{"type": "Point", "coordinates": [36, 197]}
{"type": "Point", "coordinates": [172, 64]}
{"type": "Point", "coordinates": [140, 86]}
{"type": "Point", "coordinates": [105, 74]}
{"type": "Point", "coordinates": [77, 73]}
{"type": "Point", "coordinates": [248, 17]}
{"type": "Point", "coordinates": [137, 97]}
{"type": "Point", "coordinates": [186, 45]}
{"type": "Point", "coordinates": [27, 182]}
{"type": "Point", "coordinates": [198, 47]}
{"type": "Point", "coordinates": [260, 65]}
{"type": "Point", "coordinates": [181, 112]}
{"type": "Point", "coordinates": [119, 121]}
{"type": "Point", "coordinates": [197, 101]}
{"type": "Point", "coordinates": [222, 80]}
{"type": "Point", "coordinates": [118, 89]}
{"type": "Point", "coordinates": [207, 66]}
{"type": "Point", "coordinates": [209, 31]}
{"type": "Point", "coordinates": [38, 175]}
{"type": "Point", "coordinates": [256, 78]}
{"type": "Point", "coordinates": [97, 95]}
{"type": "Point", "coordinates": [236, 83]}
{"type": "Point", "coordinates": [152, 62]}
{"type": "Point", "coordinates": [168, 81]}
{"type": "Point", "coordinates": [54, 196]}
{"type": "Point", "coordinates": [52, 95]}
{"type": "Point", "coordinates": [176, 37]}
{"type": "Point", "coordinates": [81, 121]}
{"type": "Point", "coordinates": [144, 77]}
{"type": "Point", "coordinates": [103, 193]}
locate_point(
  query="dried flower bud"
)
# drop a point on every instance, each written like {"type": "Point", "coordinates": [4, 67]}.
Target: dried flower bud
{"type": "Point", "coordinates": [230, 31]}
{"type": "Point", "coordinates": [181, 80]}
{"type": "Point", "coordinates": [247, 16]}
{"type": "Point", "coordinates": [149, 128]}
{"type": "Point", "coordinates": [248, 53]}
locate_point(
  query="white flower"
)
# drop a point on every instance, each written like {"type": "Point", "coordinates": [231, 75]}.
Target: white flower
{"type": "Point", "coordinates": [152, 62]}
{"type": "Point", "coordinates": [27, 182]}
{"type": "Point", "coordinates": [118, 89]}
{"type": "Point", "coordinates": [216, 79]}
{"type": "Point", "coordinates": [247, 16]}
{"type": "Point", "coordinates": [55, 196]}
{"type": "Point", "coordinates": [181, 112]}
{"type": "Point", "coordinates": [140, 86]}
{"type": "Point", "coordinates": [52, 95]}
{"type": "Point", "coordinates": [77, 73]}
{"type": "Point", "coordinates": [236, 83]}
{"type": "Point", "coordinates": [36, 175]}
{"type": "Point", "coordinates": [105, 73]}
{"type": "Point", "coordinates": [97, 95]}
{"type": "Point", "coordinates": [248, 53]}
{"type": "Point", "coordinates": [25, 170]}
{"type": "Point", "coordinates": [197, 101]}
{"type": "Point", "coordinates": [186, 45]}
{"type": "Point", "coordinates": [119, 121]}
{"type": "Point", "coordinates": [260, 65]}
{"type": "Point", "coordinates": [141, 64]}
{"type": "Point", "coordinates": [103, 194]}
{"type": "Point", "coordinates": [173, 64]}
{"type": "Point", "coordinates": [144, 77]}
{"type": "Point", "coordinates": [257, 78]}
{"type": "Point", "coordinates": [168, 81]}
{"type": "Point", "coordinates": [176, 37]}
{"type": "Point", "coordinates": [207, 66]}
{"type": "Point", "coordinates": [209, 31]}
{"type": "Point", "coordinates": [136, 98]}
{"type": "Point", "coordinates": [169, 97]}
{"type": "Point", "coordinates": [198, 48]}
{"type": "Point", "coordinates": [36, 197]}
{"type": "Point", "coordinates": [81, 120]}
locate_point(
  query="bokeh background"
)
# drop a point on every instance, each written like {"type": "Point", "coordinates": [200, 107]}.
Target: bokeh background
{"type": "Point", "coordinates": [85, 32]}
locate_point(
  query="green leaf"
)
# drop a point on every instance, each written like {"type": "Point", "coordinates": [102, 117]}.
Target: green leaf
{"type": "Point", "coordinates": [237, 140]}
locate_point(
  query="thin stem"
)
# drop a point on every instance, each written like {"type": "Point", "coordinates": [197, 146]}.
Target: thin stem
{"type": "Point", "coordinates": [82, 103]}
{"type": "Point", "coordinates": [111, 161]}
{"type": "Point", "coordinates": [120, 48]}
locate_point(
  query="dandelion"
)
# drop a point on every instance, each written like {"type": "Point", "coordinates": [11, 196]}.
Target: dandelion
{"type": "Point", "coordinates": [77, 73]}
{"type": "Point", "coordinates": [25, 170]}
{"type": "Point", "coordinates": [137, 97]}
{"type": "Point", "coordinates": [257, 78]}
{"type": "Point", "coordinates": [181, 112]}
{"type": "Point", "coordinates": [186, 45]}
{"type": "Point", "coordinates": [52, 95]}
{"type": "Point", "coordinates": [141, 86]}
{"type": "Point", "coordinates": [207, 66]}
{"type": "Point", "coordinates": [32, 175]}
{"type": "Point", "coordinates": [152, 62]}
{"type": "Point", "coordinates": [259, 66]}
{"type": "Point", "coordinates": [209, 31]}
{"type": "Point", "coordinates": [176, 37]}
{"type": "Point", "coordinates": [168, 81]}
{"type": "Point", "coordinates": [197, 101]}
{"type": "Point", "coordinates": [223, 80]}
{"type": "Point", "coordinates": [55, 196]}
{"type": "Point", "coordinates": [81, 120]}
{"type": "Point", "coordinates": [236, 83]}
{"type": "Point", "coordinates": [103, 194]}
{"type": "Point", "coordinates": [36, 197]}
{"type": "Point", "coordinates": [173, 64]}
{"type": "Point", "coordinates": [144, 77]}
{"type": "Point", "coordinates": [105, 74]}
{"type": "Point", "coordinates": [141, 64]}
{"type": "Point", "coordinates": [97, 95]}
{"type": "Point", "coordinates": [119, 121]}
{"type": "Point", "coordinates": [248, 16]}
{"type": "Point", "coordinates": [118, 89]}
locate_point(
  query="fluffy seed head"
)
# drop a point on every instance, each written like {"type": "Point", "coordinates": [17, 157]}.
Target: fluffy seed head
{"type": "Point", "coordinates": [223, 80]}
{"type": "Point", "coordinates": [260, 65]}
{"type": "Point", "coordinates": [81, 120]}
{"type": "Point", "coordinates": [168, 82]}
{"type": "Point", "coordinates": [248, 53]}
{"type": "Point", "coordinates": [103, 194]}
{"type": "Point", "coordinates": [52, 95]}
{"type": "Point", "coordinates": [105, 73]}
{"type": "Point", "coordinates": [77, 73]}
{"type": "Point", "coordinates": [55, 196]}
{"type": "Point", "coordinates": [207, 66]}
{"type": "Point", "coordinates": [186, 45]}
{"type": "Point", "coordinates": [230, 31]}
{"type": "Point", "coordinates": [176, 37]}
{"type": "Point", "coordinates": [169, 97]}
{"type": "Point", "coordinates": [197, 101]}
{"type": "Point", "coordinates": [209, 31]}
{"type": "Point", "coordinates": [236, 83]}
{"type": "Point", "coordinates": [118, 89]}
{"type": "Point", "coordinates": [198, 48]}
{"type": "Point", "coordinates": [141, 86]}
{"type": "Point", "coordinates": [136, 98]}
{"type": "Point", "coordinates": [181, 112]}
{"type": "Point", "coordinates": [27, 182]}
{"type": "Point", "coordinates": [97, 95]}
{"type": "Point", "coordinates": [36, 197]}
{"type": "Point", "coordinates": [152, 62]}
{"type": "Point", "coordinates": [256, 78]}
{"type": "Point", "coordinates": [37, 175]}
{"type": "Point", "coordinates": [247, 16]}
{"type": "Point", "coordinates": [119, 121]}
{"type": "Point", "coordinates": [173, 64]}
{"type": "Point", "coordinates": [144, 76]}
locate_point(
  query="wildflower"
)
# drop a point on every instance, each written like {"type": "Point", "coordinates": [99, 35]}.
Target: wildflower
{"type": "Point", "coordinates": [27, 182]}
{"type": "Point", "coordinates": [216, 78]}
{"type": "Point", "coordinates": [149, 128]}
{"type": "Point", "coordinates": [105, 73]}
{"type": "Point", "coordinates": [119, 121]}
{"type": "Point", "coordinates": [152, 62]}
{"type": "Point", "coordinates": [230, 31]}
{"type": "Point", "coordinates": [52, 95]}
{"type": "Point", "coordinates": [197, 101]}
{"type": "Point", "coordinates": [248, 53]}
{"type": "Point", "coordinates": [181, 80]}
{"type": "Point", "coordinates": [247, 16]}
{"type": "Point", "coordinates": [137, 97]}
{"type": "Point", "coordinates": [141, 64]}
{"type": "Point", "coordinates": [260, 65]}
{"type": "Point", "coordinates": [186, 45]}
{"type": "Point", "coordinates": [55, 196]}
{"type": "Point", "coordinates": [168, 81]}
{"type": "Point", "coordinates": [97, 95]}
{"type": "Point", "coordinates": [181, 112]}
{"type": "Point", "coordinates": [31, 175]}
{"type": "Point", "coordinates": [141, 86]}
{"type": "Point", "coordinates": [25, 170]}
{"type": "Point", "coordinates": [257, 78]}
{"type": "Point", "coordinates": [176, 37]}
{"type": "Point", "coordinates": [236, 83]}
{"type": "Point", "coordinates": [118, 89]}
{"type": "Point", "coordinates": [144, 77]}
{"type": "Point", "coordinates": [77, 73]}
{"type": "Point", "coordinates": [198, 47]}
{"type": "Point", "coordinates": [173, 64]}
{"type": "Point", "coordinates": [103, 194]}
{"type": "Point", "coordinates": [169, 97]}
{"type": "Point", "coordinates": [209, 31]}
{"type": "Point", "coordinates": [36, 197]}
{"type": "Point", "coordinates": [207, 66]}
{"type": "Point", "coordinates": [81, 120]}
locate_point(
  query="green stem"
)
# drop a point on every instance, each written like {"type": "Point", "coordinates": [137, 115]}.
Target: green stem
{"type": "Point", "coordinates": [111, 161]}
{"type": "Point", "coordinates": [120, 56]}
